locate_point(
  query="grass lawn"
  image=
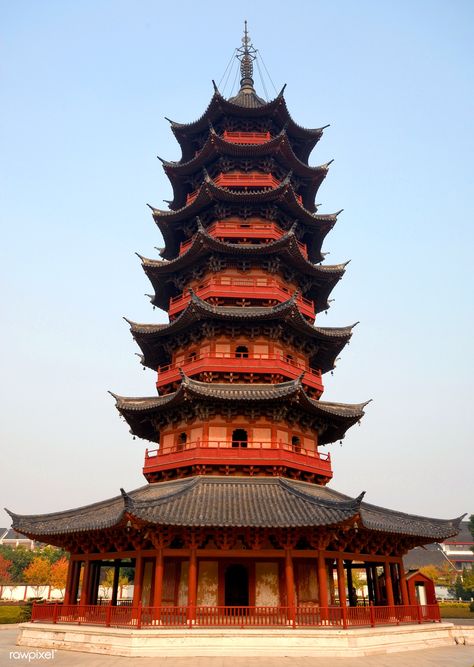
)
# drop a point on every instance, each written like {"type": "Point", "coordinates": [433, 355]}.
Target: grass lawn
{"type": "Point", "coordinates": [458, 610]}
{"type": "Point", "coordinates": [10, 614]}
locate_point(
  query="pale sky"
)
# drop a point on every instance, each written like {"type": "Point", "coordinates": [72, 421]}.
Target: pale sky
{"type": "Point", "coordinates": [85, 86]}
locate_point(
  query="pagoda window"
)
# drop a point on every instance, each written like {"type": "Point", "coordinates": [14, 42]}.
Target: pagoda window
{"type": "Point", "coordinates": [289, 358]}
{"type": "Point", "coordinates": [242, 352]}
{"type": "Point", "coordinates": [192, 356]}
{"type": "Point", "coordinates": [239, 438]}
{"type": "Point", "coordinates": [182, 439]}
{"type": "Point", "coordinates": [296, 444]}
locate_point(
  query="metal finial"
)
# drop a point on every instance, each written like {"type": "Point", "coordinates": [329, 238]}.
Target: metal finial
{"type": "Point", "coordinates": [246, 54]}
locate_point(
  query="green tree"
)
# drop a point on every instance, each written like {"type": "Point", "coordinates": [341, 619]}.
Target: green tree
{"type": "Point", "coordinates": [20, 559]}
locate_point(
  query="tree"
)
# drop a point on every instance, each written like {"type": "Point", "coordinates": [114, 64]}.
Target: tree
{"type": "Point", "coordinates": [464, 585]}
{"type": "Point", "coordinates": [5, 574]}
{"type": "Point", "coordinates": [53, 554]}
{"type": "Point", "coordinates": [108, 581]}
{"type": "Point", "coordinates": [58, 576]}
{"type": "Point", "coordinates": [38, 573]}
{"type": "Point", "coordinates": [20, 559]}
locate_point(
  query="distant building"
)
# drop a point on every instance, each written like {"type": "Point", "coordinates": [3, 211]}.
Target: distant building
{"type": "Point", "coordinates": [10, 538]}
{"type": "Point", "coordinates": [458, 549]}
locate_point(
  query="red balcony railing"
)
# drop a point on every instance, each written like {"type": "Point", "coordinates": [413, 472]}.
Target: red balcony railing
{"type": "Point", "coordinates": [244, 232]}
{"type": "Point", "coordinates": [216, 616]}
{"type": "Point", "coordinates": [246, 137]}
{"type": "Point", "coordinates": [225, 287]}
{"type": "Point", "coordinates": [241, 363]}
{"type": "Point", "coordinates": [251, 179]}
{"type": "Point", "coordinates": [226, 452]}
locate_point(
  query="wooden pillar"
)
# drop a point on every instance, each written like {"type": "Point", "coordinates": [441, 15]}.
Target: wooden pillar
{"type": "Point", "coordinates": [115, 584]}
{"type": "Point", "coordinates": [388, 584]}
{"type": "Point", "coordinates": [137, 580]}
{"type": "Point", "coordinates": [370, 583]}
{"type": "Point", "coordinates": [290, 585]}
{"type": "Point", "coordinates": [86, 581]}
{"type": "Point", "coordinates": [322, 584]}
{"type": "Point", "coordinates": [341, 582]}
{"type": "Point", "coordinates": [69, 581]}
{"type": "Point", "coordinates": [375, 579]}
{"type": "Point", "coordinates": [95, 581]}
{"type": "Point", "coordinates": [158, 587]}
{"type": "Point", "coordinates": [403, 582]}
{"type": "Point", "coordinates": [192, 585]}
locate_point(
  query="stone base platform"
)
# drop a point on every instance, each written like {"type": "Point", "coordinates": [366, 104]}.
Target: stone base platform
{"type": "Point", "coordinates": [248, 642]}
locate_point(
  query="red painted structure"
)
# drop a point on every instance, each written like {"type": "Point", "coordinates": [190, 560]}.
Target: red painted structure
{"type": "Point", "coordinates": [236, 525]}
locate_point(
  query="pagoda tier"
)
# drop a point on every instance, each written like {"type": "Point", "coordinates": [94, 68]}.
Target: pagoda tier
{"type": "Point", "coordinates": [273, 506]}
{"type": "Point", "coordinates": [201, 322]}
{"type": "Point", "coordinates": [225, 115]}
{"type": "Point", "coordinates": [147, 416]}
{"type": "Point", "coordinates": [206, 253]}
{"type": "Point", "coordinates": [221, 158]}
{"type": "Point", "coordinates": [213, 203]}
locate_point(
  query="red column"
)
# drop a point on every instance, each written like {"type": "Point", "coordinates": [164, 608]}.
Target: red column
{"type": "Point", "coordinates": [86, 582]}
{"type": "Point", "coordinates": [192, 585]}
{"type": "Point", "coordinates": [69, 581]}
{"type": "Point", "coordinates": [158, 589]}
{"type": "Point", "coordinates": [341, 588]}
{"type": "Point", "coordinates": [290, 585]}
{"type": "Point", "coordinates": [403, 582]}
{"type": "Point", "coordinates": [322, 583]}
{"type": "Point", "coordinates": [388, 583]}
{"type": "Point", "coordinates": [137, 581]}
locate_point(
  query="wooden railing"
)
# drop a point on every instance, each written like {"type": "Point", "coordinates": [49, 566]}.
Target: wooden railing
{"type": "Point", "coordinates": [228, 452]}
{"type": "Point", "coordinates": [243, 231]}
{"type": "Point", "coordinates": [216, 616]}
{"type": "Point", "coordinates": [251, 179]}
{"type": "Point", "coordinates": [241, 363]}
{"type": "Point", "coordinates": [246, 137]}
{"type": "Point", "coordinates": [242, 288]}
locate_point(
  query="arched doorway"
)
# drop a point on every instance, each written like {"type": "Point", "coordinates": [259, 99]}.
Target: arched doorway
{"type": "Point", "coordinates": [239, 438]}
{"type": "Point", "coordinates": [236, 583]}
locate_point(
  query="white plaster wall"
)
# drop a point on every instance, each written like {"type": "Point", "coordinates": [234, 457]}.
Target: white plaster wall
{"type": "Point", "coordinates": [267, 593]}
{"type": "Point", "coordinates": [207, 583]}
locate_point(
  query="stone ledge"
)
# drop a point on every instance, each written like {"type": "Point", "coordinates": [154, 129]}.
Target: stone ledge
{"type": "Point", "coordinates": [249, 642]}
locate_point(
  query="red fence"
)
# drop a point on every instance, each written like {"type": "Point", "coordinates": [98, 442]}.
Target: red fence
{"type": "Point", "coordinates": [209, 616]}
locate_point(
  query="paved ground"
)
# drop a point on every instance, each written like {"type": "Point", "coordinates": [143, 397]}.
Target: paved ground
{"type": "Point", "coordinates": [452, 656]}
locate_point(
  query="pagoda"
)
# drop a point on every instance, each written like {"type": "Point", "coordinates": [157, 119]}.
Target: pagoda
{"type": "Point", "coordinates": [236, 523]}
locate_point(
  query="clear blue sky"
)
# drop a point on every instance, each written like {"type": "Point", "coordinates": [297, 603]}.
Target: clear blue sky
{"type": "Point", "coordinates": [85, 86]}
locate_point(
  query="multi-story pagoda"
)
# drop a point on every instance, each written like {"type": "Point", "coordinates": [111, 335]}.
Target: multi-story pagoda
{"type": "Point", "coordinates": [236, 520]}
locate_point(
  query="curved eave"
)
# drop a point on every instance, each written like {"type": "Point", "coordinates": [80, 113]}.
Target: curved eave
{"type": "Point", "coordinates": [160, 273]}
{"type": "Point", "coordinates": [316, 226]}
{"type": "Point", "coordinates": [151, 338]}
{"type": "Point", "coordinates": [270, 502]}
{"type": "Point", "coordinates": [335, 418]}
{"type": "Point", "coordinates": [216, 146]}
{"type": "Point", "coordinates": [219, 106]}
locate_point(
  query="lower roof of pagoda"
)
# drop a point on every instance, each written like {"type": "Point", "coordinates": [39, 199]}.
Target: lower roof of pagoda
{"type": "Point", "coordinates": [333, 419]}
{"type": "Point", "coordinates": [171, 223]}
{"type": "Point", "coordinates": [286, 251]}
{"type": "Point", "coordinates": [243, 502]}
{"type": "Point", "coordinates": [324, 343]}
{"type": "Point", "coordinates": [276, 110]}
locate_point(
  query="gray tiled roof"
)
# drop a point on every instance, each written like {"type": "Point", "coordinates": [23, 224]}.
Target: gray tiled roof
{"type": "Point", "coordinates": [271, 502]}
{"type": "Point", "coordinates": [330, 340]}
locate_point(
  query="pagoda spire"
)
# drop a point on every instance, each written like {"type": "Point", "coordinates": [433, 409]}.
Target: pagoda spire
{"type": "Point", "coordinates": [246, 54]}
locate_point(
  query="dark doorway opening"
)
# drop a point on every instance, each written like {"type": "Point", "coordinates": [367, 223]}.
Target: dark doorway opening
{"type": "Point", "coordinates": [236, 586]}
{"type": "Point", "coordinates": [239, 438]}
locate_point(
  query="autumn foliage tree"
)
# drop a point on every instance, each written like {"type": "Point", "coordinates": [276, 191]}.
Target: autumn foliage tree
{"type": "Point", "coordinates": [58, 575]}
{"type": "Point", "coordinates": [5, 574]}
{"type": "Point", "coordinates": [38, 573]}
